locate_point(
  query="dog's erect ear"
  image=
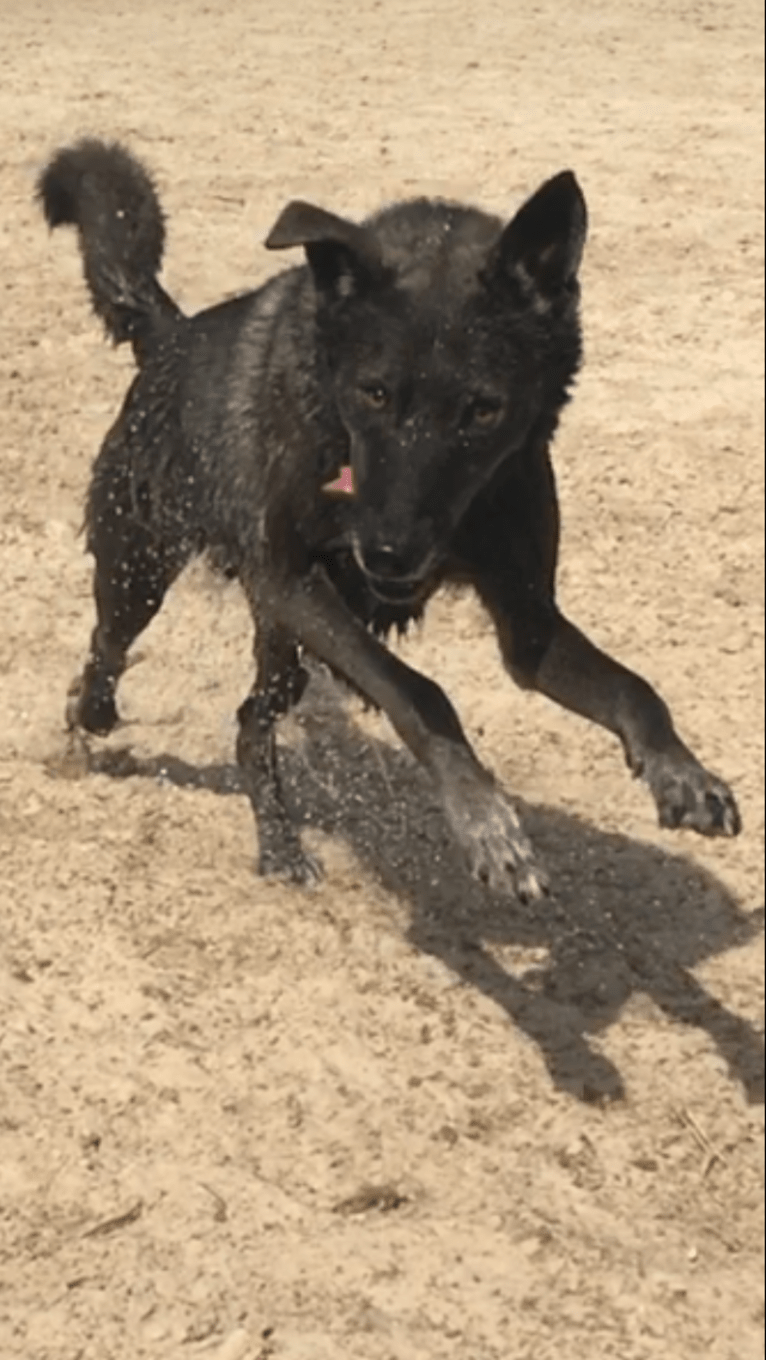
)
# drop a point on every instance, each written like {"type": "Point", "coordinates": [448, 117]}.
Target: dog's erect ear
{"type": "Point", "coordinates": [343, 256]}
{"type": "Point", "coordinates": [542, 246]}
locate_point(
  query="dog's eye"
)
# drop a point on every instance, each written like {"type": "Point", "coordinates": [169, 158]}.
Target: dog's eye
{"type": "Point", "coordinates": [375, 395]}
{"type": "Point", "coordinates": [485, 411]}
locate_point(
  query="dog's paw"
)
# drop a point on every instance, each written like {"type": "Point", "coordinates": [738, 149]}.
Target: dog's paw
{"type": "Point", "coordinates": [688, 796]}
{"type": "Point", "coordinates": [499, 853]}
{"type": "Point", "coordinates": [306, 870]}
{"type": "Point", "coordinates": [291, 864]}
{"type": "Point", "coordinates": [90, 705]}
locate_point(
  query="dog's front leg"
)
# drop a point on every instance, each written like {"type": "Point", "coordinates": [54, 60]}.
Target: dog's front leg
{"type": "Point", "coordinates": [481, 817]}
{"type": "Point", "coordinates": [545, 652]}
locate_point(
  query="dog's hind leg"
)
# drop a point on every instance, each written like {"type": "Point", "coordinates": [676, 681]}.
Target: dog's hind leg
{"type": "Point", "coordinates": [280, 683]}
{"type": "Point", "coordinates": [134, 568]}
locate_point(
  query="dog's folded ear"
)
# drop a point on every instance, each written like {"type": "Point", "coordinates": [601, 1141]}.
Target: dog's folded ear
{"type": "Point", "coordinates": [541, 248]}
{"type": "Point", "coordinates": [343, 256]}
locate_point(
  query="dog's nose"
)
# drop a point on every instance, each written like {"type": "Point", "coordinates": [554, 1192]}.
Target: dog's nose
{"type": "Point", "coordinates": [385, 563]}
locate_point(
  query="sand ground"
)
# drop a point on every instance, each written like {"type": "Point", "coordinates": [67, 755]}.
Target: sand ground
{"type": "Point", "coordinates": [393, 1120]}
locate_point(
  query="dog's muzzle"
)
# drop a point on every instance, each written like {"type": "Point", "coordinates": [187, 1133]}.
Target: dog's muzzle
{"type": "Point", "coordinates": [388, 576]}
{"type": "Point", "coordinates": [394, 592]}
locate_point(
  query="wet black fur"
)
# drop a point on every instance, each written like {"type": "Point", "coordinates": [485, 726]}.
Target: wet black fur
{"type": "Point", "coordinates": [433, 349]}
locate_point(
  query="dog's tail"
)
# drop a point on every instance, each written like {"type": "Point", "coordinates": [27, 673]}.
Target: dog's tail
{"type": "Point", "coordinates": [103, 191]}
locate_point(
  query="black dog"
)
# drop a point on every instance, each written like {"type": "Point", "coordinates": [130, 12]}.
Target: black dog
{"type": "Point", "coordinates": [425, 356]}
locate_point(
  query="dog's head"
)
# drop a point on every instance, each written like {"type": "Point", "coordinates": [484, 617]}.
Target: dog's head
{"type": "Point", "coordinates": [449, 339]}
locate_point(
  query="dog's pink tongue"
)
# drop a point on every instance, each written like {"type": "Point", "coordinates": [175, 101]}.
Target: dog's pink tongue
{"type": "Point", "coordinates": [344, 484]}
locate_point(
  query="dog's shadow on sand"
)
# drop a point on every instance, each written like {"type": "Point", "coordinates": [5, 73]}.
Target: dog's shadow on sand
{"type": "Point", "coordinates": [625, 917]}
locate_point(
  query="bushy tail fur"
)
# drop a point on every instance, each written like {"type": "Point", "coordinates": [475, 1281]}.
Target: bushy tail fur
{"type": "Point", "coordinates": [103, 191]}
